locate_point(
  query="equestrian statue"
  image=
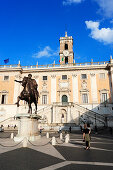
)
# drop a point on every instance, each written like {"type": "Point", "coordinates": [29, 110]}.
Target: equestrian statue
{"type": "Point", "coordinates": [29, 93]}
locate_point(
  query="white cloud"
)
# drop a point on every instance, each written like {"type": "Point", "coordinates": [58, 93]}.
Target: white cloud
{"type": "Point", "coordinates": [69, 2]}
{"type": "Point", "coordinates": [111, 21]}
{"type": "Point", "coordinates": [106, 7]}
{"type": "Point", "coordinates": [46, 52]}
{"type": "Point", "coordinates": [104, 35]}
{"type": "Point", "coordinates": [92, 25]}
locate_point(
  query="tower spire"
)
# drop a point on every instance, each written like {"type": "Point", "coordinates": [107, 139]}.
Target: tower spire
{"type": "Point", "coordinates": [66, 49]}
{"type": "Point", "coordinates": [65, 33]}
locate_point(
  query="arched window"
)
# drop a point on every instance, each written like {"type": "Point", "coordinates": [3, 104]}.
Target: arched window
{"type": "Point", "coordinates": [66, 60]}
{"type": "Point", "coordinates": [64, 98]}
{"type": "Point", "coordinates": [62, 115]}
{"type": "Point", "coordinates": [66, 46]}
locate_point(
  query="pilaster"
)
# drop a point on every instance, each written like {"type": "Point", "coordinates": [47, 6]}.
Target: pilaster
{"type": "Point", "coordinates": [53, 88]}
{"type": "Point", "coordinates": [75, 88]}
{"type": "Point", "coordinates": [93, 88]}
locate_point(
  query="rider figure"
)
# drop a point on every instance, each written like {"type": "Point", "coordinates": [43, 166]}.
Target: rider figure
{"type": "Point", "coordinates": [32, 85]}
{"type": "Point", "coordinates": [29, 80]}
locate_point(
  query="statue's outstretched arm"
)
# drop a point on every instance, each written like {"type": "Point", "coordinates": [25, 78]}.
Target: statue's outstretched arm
{"type": "Point", "coordinates": [18, 81]}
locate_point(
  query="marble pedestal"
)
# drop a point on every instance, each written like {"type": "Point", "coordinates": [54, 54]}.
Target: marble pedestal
{"type": "Point", "coordinates": [27, 127]}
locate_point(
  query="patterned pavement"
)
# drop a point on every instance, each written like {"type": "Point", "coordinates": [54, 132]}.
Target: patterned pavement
{"type": "Point", "coordinates": [42, 155]}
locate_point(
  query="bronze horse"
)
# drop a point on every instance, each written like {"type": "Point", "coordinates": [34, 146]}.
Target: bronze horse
{"type": "Point", "coordinates": [30, 93]}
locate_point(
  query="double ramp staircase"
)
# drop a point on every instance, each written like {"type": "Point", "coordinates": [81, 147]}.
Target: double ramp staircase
{"type": "Point", "coordinates": [90, 116]}
{"type": "Point", "coordinates": [86, 116]}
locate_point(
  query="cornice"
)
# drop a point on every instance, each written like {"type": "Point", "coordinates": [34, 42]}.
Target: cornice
{"type": "Point", "coordinates": [54, 69]}
{"type": "Point", "coordinates": [70, 68]}
{"type": "Point", "coordinates": [5, 69]}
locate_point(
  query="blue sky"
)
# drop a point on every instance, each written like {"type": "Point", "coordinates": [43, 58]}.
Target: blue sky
{"type": "Point", "coordinates": [30, 30]}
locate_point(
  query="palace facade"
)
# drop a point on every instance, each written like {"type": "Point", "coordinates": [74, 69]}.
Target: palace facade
{"type": "Point", "coordinates": [70, 92]}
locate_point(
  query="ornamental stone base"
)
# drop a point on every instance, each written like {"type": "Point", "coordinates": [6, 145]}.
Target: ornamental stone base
{"type": "Point", "coordinates": [27, 127]}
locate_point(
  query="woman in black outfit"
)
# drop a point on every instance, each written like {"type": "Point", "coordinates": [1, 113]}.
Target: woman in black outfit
{"type": "Point", "coordinates": [86, 136]}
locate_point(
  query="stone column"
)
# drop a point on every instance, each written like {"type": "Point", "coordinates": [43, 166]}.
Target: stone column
{"type": "Point", "coordinates": [53, 88]}
{"type": "Point", "coordinates": [75, 88]}
{"type": "Point", "coordinates": [93, 88]}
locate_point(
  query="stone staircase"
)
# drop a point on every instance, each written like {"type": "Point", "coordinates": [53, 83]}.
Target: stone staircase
{"type": "Point", "coordinates": [45, 114]}
{"type": "Point", "coordinates": [91, 117]}
{"type": "Point", "coordinates": [86, 116]}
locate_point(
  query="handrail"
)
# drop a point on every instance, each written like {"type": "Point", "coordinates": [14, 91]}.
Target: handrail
{"type": "Point", "coordinates": [100, 120]}
{"type": "Point", "coordinates": [90, 110]}
{"type": "Point", "coordinates": [7, 119]}
{"type": "Point", "coordinates": [43, 109]}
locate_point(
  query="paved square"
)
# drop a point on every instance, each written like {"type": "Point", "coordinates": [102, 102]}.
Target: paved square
{"type": "Point", "coordinates": [42, 155]}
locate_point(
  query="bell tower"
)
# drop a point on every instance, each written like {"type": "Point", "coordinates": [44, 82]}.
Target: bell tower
{"type": "Point", "coordinates": [66, 50]}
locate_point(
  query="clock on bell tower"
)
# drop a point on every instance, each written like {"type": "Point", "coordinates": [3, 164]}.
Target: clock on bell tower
{"type": "Point", "coordinates": [66, 50]}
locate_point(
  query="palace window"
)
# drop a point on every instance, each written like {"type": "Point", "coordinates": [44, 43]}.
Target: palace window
{"type": "Point", "coordinates": [103, 97]}
{"type": "Point", "coordinates": [44, 99]}
{"type": "Point", "coordinates": [102, 75]}
{"type": "Point", "coordinates": [83, 76]}
{"type": "Point", "coordinates": [44, 77]}
{"type": "Point", "coordinates": [64, 99]}
{"type": "Point", "coordinates": [85, 98]}
{"type": "Point", "coordinates": [104, 93]}
{"type": "Point", "coordinates": [64, 77]}
{"type": "Point", "coordinates": [66, 60]}
{"type": "Point", "coordinates": [66, 46]}
{"type": "Point", "coordinates": [6, 78]}
{"type": "Point", "coordinates": [3, 99]}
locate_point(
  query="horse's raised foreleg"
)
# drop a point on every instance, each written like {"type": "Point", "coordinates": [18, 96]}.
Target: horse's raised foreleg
{"type": "Point", "coordinates": [18, 99]}
{"type": "Point", "coordinates": [30, 108]}
{"type": "Point", "coordinates": [36, 100]}
{"type": "Point", "coordinates": [29, 111]}
{"type": "Point", "coordinates": [35, 106]}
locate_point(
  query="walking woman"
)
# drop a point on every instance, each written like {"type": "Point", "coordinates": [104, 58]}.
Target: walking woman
{"type": "Point", "coordinates": [86, 136]}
